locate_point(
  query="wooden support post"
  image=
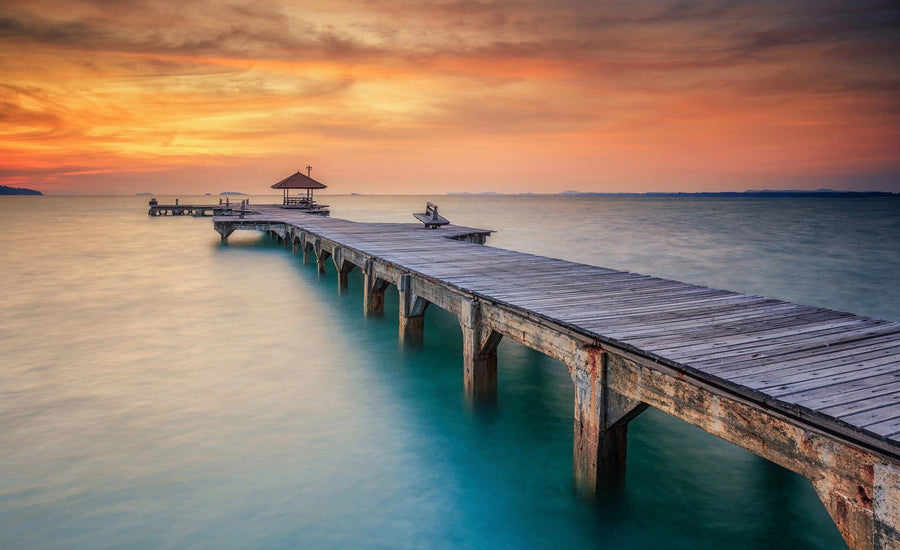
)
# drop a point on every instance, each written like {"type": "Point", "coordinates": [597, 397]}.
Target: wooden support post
{"type": "Point", "coordinates": [601, 427]}
{"type": "Point", "coordinates": [224, 229]}
{"type": "Point", "coordinates": [342, 266]}
{"type": "Point", "coordinates": [305, 246]}
{"type": "Point", "coordinates": [479, 355]}
{"type": "Point", "coordinates": [412, 313]}
{"type": "Point", "coordinates": [886, 505]}
{"type": "Point", "coordinates": [859, 488]}
{"type": "Point", "coordinates": [373, 294]}
{"type": "Point", "coordinates": [868, 516]}
{"type": "Point", "coordinates": [321, 255]}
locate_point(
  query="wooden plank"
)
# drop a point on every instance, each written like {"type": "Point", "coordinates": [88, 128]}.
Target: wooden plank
{"type": "Point", "coordinates": [821, 380]}
{"type": "Point", "coordinates": [575, 300]}
{"type": "Point", "coordinates": [798, 354]}
{"type": "Point", "coordinates": [746, 321]}
{"type": "Point", "coordinates": [756, 374]}
{"type": "Point", "coordinates": [861, 405]}
{"type": "Point", "coordinates": [868, 411]}
{"type": "Point", "coordinates": [889, 428]}
{"type": "Point", "coordinates": [822, 398]}
{"type": "Point", "coordinates": [682, 305]}
{"type": "Point", "coordinates": [814, 339]}
{"type": "Point", "coordinates": [675, 324]}
{"type": "Point", "coordinates": [752, 334]}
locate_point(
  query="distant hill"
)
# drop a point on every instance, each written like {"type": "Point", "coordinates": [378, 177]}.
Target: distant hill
{"type": "Point", "coordinates": [231, 193]}
{"type": "Point", "coordinates": [4, 190]}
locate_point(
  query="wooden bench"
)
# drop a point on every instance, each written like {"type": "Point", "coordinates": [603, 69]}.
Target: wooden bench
{"type": "Point", "coordinates": [431, 218]}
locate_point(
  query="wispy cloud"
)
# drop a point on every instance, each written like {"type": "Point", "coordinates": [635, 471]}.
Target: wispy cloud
{"type": "Point", "coordinates": [722, 91]}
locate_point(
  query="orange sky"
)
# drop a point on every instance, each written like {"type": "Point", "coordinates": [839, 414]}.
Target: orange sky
{"type": "Point", "coordinates": [404, 96]}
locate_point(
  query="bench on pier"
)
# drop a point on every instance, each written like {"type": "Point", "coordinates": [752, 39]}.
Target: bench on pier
{"type": "Point", "coordinates": [430, 217]}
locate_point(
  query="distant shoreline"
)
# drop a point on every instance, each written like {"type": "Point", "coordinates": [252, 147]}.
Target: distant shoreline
{"type": "Point", "coordinates": [4, 190]}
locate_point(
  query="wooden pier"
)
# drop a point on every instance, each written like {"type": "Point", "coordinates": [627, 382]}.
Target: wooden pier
{"type": "Point", "coordinates": [197, 210]}
{"type": "Point", "coordinates": [813, 390]}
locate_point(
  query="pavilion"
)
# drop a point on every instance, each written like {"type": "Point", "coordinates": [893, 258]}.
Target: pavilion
{"type": "Point", "coordinates": [300, 181]}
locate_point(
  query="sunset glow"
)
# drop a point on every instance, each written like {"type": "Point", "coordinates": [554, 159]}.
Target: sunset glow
{"type": "Point", "coordinates": [399, 96]}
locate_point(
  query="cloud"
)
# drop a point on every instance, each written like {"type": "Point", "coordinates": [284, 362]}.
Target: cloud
{"type": "Point", "coordinates": [668, 84]}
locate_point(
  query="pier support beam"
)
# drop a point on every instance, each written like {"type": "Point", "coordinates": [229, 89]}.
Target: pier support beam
{"type": "Point", "coordinates": [886, 505]}
{"type": "Point", "coordinates": [859, 488]}
{"type": "Point", "coordinates": [373, 294]}
{"type": "Point", "coordinates": [342, 266]}
{"type": "Point", "coordinates": [601, 427]}
{"type": "Point", "coordinates": [305, 246]}
{"type": "Point", "coordinates": [321, 255]}
{"type": "Point", "coordinates": [412, 313]}
{"type": "Point", "coordinates": [224, 229]}
{"type": "Point", "coordinates": [479, 355]}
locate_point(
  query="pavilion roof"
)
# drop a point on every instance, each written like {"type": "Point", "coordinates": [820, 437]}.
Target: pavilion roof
{"type": "Point", "coordinates": [299, 181]}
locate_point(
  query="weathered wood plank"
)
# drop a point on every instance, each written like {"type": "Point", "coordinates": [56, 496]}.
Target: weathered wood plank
{"type": "Point", "coordinates": [887, 396]}
{"type": "Point", "coordinates": [887, 428]}
{"type": "Point", "coordinates": [799, 354]}
{"type": "Point", "coordinates": [812, 337]}
{"type": "Point", "coordinates": [850, 392]}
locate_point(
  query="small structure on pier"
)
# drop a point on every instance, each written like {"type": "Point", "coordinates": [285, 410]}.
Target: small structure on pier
{"type": "Point", "coordinates": [302, 202]}
{"type": "Point", "coordinates": [430, 217]}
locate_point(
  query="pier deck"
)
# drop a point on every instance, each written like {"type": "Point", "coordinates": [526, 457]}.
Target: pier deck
{"type": "Point", "coordinates": [196, 210]}
{"type": "Point", "coordinates": [814, 390]}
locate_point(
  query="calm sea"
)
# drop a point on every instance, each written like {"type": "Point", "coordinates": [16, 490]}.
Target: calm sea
{"type": "Point", "coordinates": [159, 390]}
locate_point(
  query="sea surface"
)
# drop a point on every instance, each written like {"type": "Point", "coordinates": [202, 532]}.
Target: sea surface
{"type": "Point", "coordinates": [161, 390]}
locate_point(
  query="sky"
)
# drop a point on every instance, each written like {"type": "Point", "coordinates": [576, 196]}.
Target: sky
{"type": "Point", "coordinates": [412, 96]}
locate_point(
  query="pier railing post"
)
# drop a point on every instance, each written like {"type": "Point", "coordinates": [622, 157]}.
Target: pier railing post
{"type": "Point", "coordinates": [479, 355]}
{"type": "Point", "coordinates": [373, 294]}
{"type": "Point", "coordinates": [412, 313]}
{"type": "Point", "coordinates": [601, 426]}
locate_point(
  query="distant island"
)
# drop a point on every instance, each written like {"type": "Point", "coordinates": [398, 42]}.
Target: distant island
{"type": "Point", "coordinates": [145, 194]}
{"type": "Point", "coordinates": [748, 193]}
{"type": "Point", "coordinates": [4, 190]}
{"type": "Point", "coordinates": [231, 193]}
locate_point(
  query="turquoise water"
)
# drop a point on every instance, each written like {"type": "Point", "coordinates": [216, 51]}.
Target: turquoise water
{"type": "Point", "coordinates": [159, 390]}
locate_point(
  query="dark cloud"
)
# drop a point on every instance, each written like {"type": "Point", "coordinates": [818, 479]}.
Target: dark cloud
{"type": "Point", "coordinates": [54, 34]}
{"type": "Point", "coordinates": [238, 31]}
{"type": "Point", "coordinates": [674, 35]}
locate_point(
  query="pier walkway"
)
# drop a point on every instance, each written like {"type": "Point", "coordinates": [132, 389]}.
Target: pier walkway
{"type": "Point", "coordinates": [814, 390]}
{"type": "Point", "coordinates": [196, 210]}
